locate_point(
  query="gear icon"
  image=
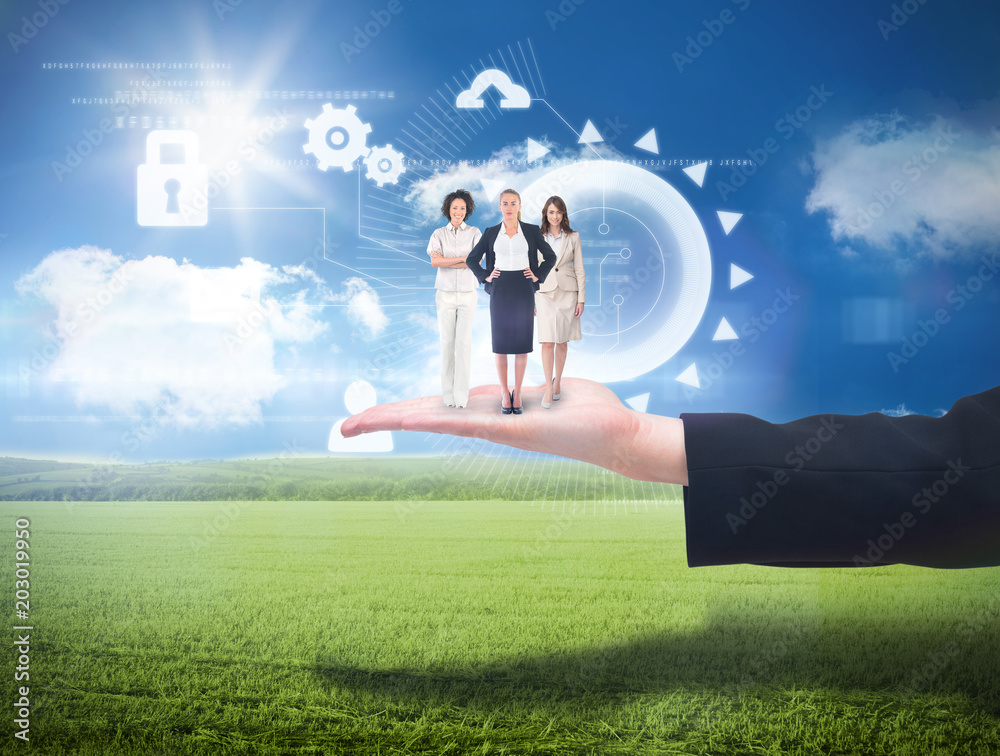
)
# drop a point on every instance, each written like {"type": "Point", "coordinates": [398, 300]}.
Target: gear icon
{"type": "Point", "coordinates": [384, 165]}
{"type": "Point", "coordinates": [337, 137]}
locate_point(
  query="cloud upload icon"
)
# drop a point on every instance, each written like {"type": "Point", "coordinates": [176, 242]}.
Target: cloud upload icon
{"type": "Point", "coordinates": [514, 95]}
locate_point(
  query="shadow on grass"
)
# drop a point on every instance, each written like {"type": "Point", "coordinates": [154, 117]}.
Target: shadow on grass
{"type": "Point", "coordinates": [732, 654]}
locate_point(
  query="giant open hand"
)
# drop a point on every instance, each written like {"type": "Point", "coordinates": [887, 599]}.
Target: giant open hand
{"type": "Point", "coordinates": [589, 424]}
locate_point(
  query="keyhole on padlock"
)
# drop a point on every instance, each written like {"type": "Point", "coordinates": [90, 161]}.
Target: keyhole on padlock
{"type": "Point", "coordinates": [172, 187]}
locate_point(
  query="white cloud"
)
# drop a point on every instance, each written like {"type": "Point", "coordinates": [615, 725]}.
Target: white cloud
{"type": "Point", "coordinates": [194, 346]}
{"type": "Point", "coordinates": [911, 188]}
{"type": "Point", "coordinates": [305, 272]}
{"type": "Point", "coordinates": [508, 166]}
{"type": "Point", "coordinates": [364, 309]}
{"type": "Point", "coordinates": [900, 411]}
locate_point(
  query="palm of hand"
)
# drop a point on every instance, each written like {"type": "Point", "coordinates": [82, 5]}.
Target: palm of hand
{"type": "Point", "coordinates": [589, 424]}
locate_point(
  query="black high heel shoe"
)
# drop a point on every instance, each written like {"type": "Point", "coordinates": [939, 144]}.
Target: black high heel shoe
{"type": "Point", "coordinates": [515, 410]}
{"type": "Point", "coordinates": [507, 410]}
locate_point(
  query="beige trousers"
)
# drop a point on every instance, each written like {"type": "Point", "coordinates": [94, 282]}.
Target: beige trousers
{"type": "Point", "coordinates": [455, 310]}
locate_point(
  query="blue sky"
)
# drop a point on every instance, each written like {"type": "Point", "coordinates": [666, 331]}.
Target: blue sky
{"type": "Point", "coordinates": [868, 213]}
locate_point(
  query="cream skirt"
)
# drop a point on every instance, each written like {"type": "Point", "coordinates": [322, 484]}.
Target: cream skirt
{"type": "Point", "coordinates": [556, 319]}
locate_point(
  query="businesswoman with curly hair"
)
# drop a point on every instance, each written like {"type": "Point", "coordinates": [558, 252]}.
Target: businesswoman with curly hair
{"type": "Point", "coordinates": [456, 294]}
{"type": "Point", "coordinates": [511, 276]}
{"type": "Point", "coordinates": [560, 298]}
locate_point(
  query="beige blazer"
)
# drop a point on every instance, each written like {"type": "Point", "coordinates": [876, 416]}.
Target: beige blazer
{"type": "Point", "coordinates": [568, 272]}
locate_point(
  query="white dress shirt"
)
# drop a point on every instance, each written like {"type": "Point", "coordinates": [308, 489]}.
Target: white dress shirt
{"type": "Point", "coordinates": [455, 242]}
{"type": "Point", "coordinates": [555, 242]}
{"type": "Point", "coordinates": [511, 252]}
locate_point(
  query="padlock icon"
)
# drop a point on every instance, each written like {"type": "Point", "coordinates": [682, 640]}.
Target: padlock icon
{"type": "Point", "coordinates": [172, 186]}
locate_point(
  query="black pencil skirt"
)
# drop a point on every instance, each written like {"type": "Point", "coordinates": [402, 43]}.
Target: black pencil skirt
{"type": "Point", "coordinates": [512, 313]}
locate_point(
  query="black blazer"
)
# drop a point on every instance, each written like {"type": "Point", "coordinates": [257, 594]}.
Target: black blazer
{"type": "Point", "coordinates": [536, 244]}
{"type": "Point", "coordinates": [846, 490]}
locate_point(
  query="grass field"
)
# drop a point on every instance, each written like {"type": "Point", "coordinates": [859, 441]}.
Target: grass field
{"type": "Point", "coordinates": [482, 627]}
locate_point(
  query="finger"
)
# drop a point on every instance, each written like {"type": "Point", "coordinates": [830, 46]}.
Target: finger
{"type": "Point", "coordinates": [387, 416]}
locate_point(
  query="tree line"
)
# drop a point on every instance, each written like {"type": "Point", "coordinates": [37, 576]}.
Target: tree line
{"type": "Point", "coordinates": [419, 487]}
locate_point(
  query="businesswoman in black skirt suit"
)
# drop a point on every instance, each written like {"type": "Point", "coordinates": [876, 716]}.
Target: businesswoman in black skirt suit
{"type": "Point", "coordinates": [511, 277]}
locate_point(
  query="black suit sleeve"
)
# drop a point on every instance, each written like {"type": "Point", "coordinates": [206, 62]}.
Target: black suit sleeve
{"type": "Point", "coordinates": [548, 258]}
{"type": "Point", "coordinates": [477, 254]}
{"type": "Point", "coordinates": [843, 490]}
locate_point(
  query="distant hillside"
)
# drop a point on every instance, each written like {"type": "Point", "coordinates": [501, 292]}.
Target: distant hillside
{"type": "Point", "coordinates": [322, 479]}
{"type": "Point", "coordinates": [17, 466]}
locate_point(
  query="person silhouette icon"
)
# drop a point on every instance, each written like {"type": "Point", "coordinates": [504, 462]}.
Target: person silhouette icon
{"type": "Point", "coordinates": [358, 397]}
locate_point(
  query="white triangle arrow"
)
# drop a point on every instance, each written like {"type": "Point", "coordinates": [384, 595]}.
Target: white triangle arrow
{"type": "Point", "coordinates": [536, 150]}
{"type": "Point", "coordinates": [639, 403]}
{"type": "Point", "coordinates": [590, 134]}
{"type": "Point", "coordinates": [648, 142]}
{"type": "Point", "coordinates": [728, 220]}
{"type": "Point", "coordinates": [724, 332]}
{"type": "Point", "coordinates": [738, 276]}
{"type": "Point", "coordinates": [492, 187]}
{"type": "Point", "coordinates": [697, 172]}
{"type": "Point", "coordinates": [690, 376]}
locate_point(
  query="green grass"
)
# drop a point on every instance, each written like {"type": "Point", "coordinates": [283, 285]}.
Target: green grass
{"type": "Point", "coordinates": [484, 627]}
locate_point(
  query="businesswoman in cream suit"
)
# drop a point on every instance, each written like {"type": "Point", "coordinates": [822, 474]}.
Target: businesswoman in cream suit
{"type": "Point", "coordinates": [560, 297]}
{"type": "Point", "coordinates": [512, 274]}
